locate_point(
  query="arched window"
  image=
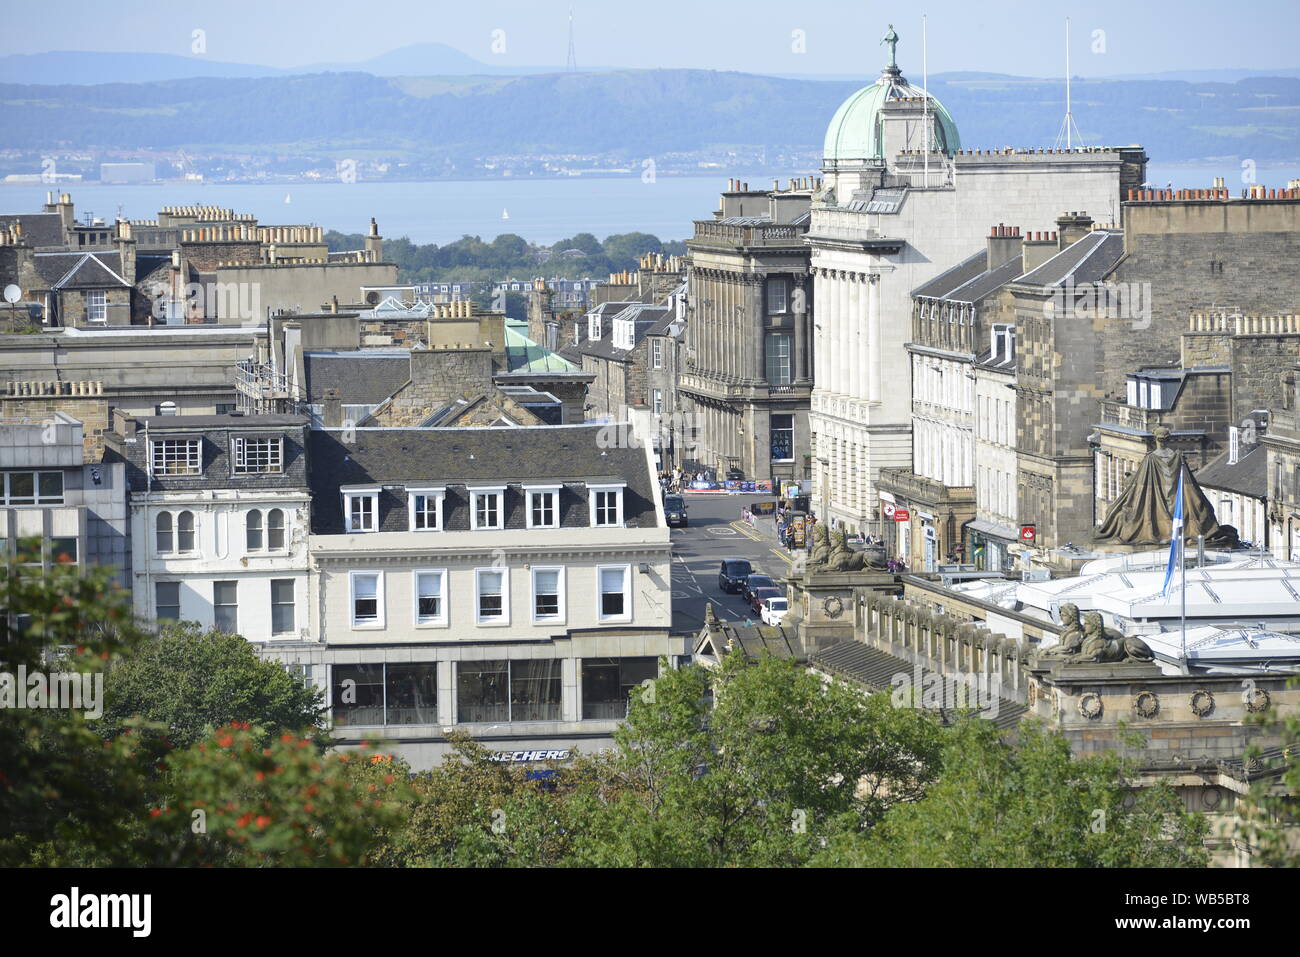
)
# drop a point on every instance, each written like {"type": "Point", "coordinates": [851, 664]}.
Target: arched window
{"type": "Point", "coordinates": [185, 532]}
{"type": "Point", "coordinates": [253, 523]}
{"type": "Point", "coordinates": [165, 543]}
{"type": "Point", "coordinates": [275, 530]}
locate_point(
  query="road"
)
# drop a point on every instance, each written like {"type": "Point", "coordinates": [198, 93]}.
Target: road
{"type": "Point", "coordinates": [716, 532]}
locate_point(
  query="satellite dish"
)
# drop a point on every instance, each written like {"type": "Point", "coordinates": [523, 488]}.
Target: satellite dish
{"type": "Point", "coordinates": [12, 293]}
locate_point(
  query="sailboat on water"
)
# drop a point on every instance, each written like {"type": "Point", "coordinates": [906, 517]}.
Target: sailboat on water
{"type": "Point", "coordinates": [505, 214]}
{"type": "Point", "coordinates": [288, 198]}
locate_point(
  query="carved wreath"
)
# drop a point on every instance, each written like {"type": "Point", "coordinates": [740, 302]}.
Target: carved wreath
{"type": "Point", "coordinates": [1090, 706]}
{"type": "Point", "coordinates": [1256, 700]}
{"type": "Point", "coordinates": [833, 606]}
{"type": "Point", "coordinates": [1202, 703]}
{"type": "Point", "coordinates": [1146, 704]}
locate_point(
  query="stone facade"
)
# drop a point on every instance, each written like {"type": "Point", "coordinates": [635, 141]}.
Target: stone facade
{"type": "Point", "coordinates": [747, 379]}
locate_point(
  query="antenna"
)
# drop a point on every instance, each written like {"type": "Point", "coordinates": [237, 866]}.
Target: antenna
{"type": "Point", "coordinates": [572, 65]}
{"type": "Point", "coordinates": [1069, 131]}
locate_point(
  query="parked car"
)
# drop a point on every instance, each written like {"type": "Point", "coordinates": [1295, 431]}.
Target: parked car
{"type": "Point", "coordinates": [675, 511]}
{"type": "Point", "coordinates": [755, 580]}
{"type": "Point", "coordinates": [775, 609]}
{"type": "Point", "coordinates": [732, 574]}
{"type": "Point", "coordinates": [759, 595]}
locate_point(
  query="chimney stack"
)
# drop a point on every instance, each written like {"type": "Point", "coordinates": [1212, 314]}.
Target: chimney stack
{"type": "Point", "coordinates": [1003, 244]}
{"type": "Point", "coordinates": [1072, 227]}
{"type": "Point", "coordinates": [1037, 249]}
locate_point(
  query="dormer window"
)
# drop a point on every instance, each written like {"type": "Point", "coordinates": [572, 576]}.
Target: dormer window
{"type": "Point", "coordinates": [176, 456]}
{"type": "Point", "coordinates": [543, 506]}
{"type": "Point", "coordinates": [260, 455]}
{"type": "Point", "coordinates": [606, 504]}
{"type": "Point", "coordinates": [361, 510]}
{"type": "Point", "coordinates": [425, 508]}
{"type": "Point", "coordinates": [593, 326]}
{"type": "Point", "coordinates": [487, 508]}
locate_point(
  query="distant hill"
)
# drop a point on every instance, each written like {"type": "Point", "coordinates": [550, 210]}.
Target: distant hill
{"type": "Point", "coordinates": [67, 66]}
{"type": "Point", "coordinates": [81, 68]}
{"type": "Point", "coordinates": [640, 113]}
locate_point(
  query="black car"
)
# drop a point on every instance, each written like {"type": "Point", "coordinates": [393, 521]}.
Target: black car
{"type": "Point", "coordinates": [732, 574]}
{"type": "Point", "coordinates": [756, 580]}
{"type": "Point", "coordinates": [675, 510]}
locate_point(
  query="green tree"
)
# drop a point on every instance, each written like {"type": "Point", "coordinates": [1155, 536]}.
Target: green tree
{"type": "Point", "coordinates": [625, 250]}
{"type": "Point", "coordinates": [1028, 803]}
{"type": "Point", "coordinates": [757, 779]}
{"type": "Point", "coordinates": [1269, 813]}
{"type": "Point", "coordinates": [190, 680]}
{"type": "Point", "coordinates": [71, 795]}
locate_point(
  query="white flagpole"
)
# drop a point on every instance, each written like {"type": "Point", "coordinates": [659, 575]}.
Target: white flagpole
{"type": "Point", "coordinates": [925, 85]}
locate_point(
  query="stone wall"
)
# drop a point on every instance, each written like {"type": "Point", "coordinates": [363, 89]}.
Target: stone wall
{"type": "Point", "coordinates": [437, 377]}
{"type": "Point", "coordinates": [83, 401]}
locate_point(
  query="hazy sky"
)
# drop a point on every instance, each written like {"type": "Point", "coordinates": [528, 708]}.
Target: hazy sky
{"type": "Point", "coordinates": [1012, 36]}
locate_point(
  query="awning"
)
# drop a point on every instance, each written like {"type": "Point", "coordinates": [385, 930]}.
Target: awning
{"type": "Point", "coordinates": [993, 530]}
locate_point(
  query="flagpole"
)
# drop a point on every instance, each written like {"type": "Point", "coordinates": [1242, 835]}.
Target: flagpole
{"type": "Point", "coordinates": [1182, 562]}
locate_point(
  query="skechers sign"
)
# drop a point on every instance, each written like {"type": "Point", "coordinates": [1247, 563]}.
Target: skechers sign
{"type": "Point", "coordinates": [513, 757]}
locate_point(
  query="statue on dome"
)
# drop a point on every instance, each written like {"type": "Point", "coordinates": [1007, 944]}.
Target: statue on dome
{"type": "Point", "coordinates": [1143, 513]}
{"type": "Point", "coordinates": [891, 38]}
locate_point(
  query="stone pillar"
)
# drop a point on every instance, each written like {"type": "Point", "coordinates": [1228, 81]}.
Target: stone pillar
{"type": "Point", "coordinates": [844, 326]}
{"type": "Point", "coordinates": [857, 369]}
{"type": "Point", "coordinates": [800, 332]}
{"type": "Point", "coordinates": [874, 342]}
{"type": "Point", "coordinates": [755, 326]}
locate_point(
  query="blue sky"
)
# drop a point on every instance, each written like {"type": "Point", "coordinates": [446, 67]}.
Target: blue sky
{"type": "Point", "coordinates": [1010, 36]}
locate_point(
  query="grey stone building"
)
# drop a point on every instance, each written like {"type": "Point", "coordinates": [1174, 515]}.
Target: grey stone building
{"type": "Point", "coordinates": [747, 380]}
{"type": "Point", "coordinates": [56, 482]}
{"type": "Point", "coordinates": [512, 583]}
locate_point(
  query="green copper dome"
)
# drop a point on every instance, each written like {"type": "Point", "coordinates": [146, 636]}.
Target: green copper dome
{"type": "Point", "coordinates": [855, 134]}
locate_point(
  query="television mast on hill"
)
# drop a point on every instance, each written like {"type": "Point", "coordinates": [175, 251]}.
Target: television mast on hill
{"type": "Point", "coordinates": [1069, 132]}
{"type": "Point", "coordinates": [572, 64]}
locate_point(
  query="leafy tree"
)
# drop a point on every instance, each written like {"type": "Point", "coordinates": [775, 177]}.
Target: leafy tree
{"type": "Point", "coordinates": [624, 250]}
{"type": "Point", "coordinates": [71, 794]}
{"type": "Point", "coordinates": [189, 680]}
{"type": "Point", "coordinates": [757, 780]}
{"type": "Point", "coordinates": [1028, 803]}
{"type": "Point", "coordinates": [1269, 814]}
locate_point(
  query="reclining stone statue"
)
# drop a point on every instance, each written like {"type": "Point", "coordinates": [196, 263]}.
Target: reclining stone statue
{"type": "Point", "coordinates": [1102, 644]}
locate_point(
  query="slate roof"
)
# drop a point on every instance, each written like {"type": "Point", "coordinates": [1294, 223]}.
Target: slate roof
{"type": "Point", "coordinates": [39, 229]}
{"type": "Point", "coordinates": [988, 282]}
{"type": "Point", "coordinates": [362, 378]}
{"type": "Point", "coordinates": [80, 270]}
{"type": "Point", "coordinates": [954, 277]}
{"type": "Point", "coordinates": [1086, 260]}
{"type": "Point", "coordinates": [1249, 476]}
{"type": "Point", "coordinates": [196, 423]}
{"type": "Point", "coordinates": [412, 458]}
{"type": "Point", "coordinates": [752, 640]}
{"type": "Point", "coordinates": [874, 669]}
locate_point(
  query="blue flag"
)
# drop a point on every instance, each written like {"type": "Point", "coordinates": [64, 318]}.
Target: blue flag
{"type": "Point", "coordinates": [1175, 537]}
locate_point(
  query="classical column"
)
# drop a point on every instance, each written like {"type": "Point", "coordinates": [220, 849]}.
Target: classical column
{"type": "Point", "coordinates": [874, 343]}
{"type": "Point", "coordinates": [756, 327]}
{"type": "Point", "coordinates": [845, 334]}
{"type": "Point", "coordinates": [857, 370]}
{"type": "Point", "coordinates": [800, 331]}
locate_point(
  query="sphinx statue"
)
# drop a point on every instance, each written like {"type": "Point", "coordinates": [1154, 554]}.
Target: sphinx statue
{"type": "Point", "coordinates": [821, 546]}
{"type": "Point", "coordinates": [1071, 638]}
{"type": "Point", "coordinates": [1143, 513]}
{"type": "Point", "coordinates": [1102, 644]}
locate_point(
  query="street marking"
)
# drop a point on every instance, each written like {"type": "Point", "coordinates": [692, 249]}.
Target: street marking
{"type": "Point", "coordinates": [747, 531]}
{"type": "Point", "coordinates": [712, 530]}
{"type": "Point", "coordinates": [785, 558]}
